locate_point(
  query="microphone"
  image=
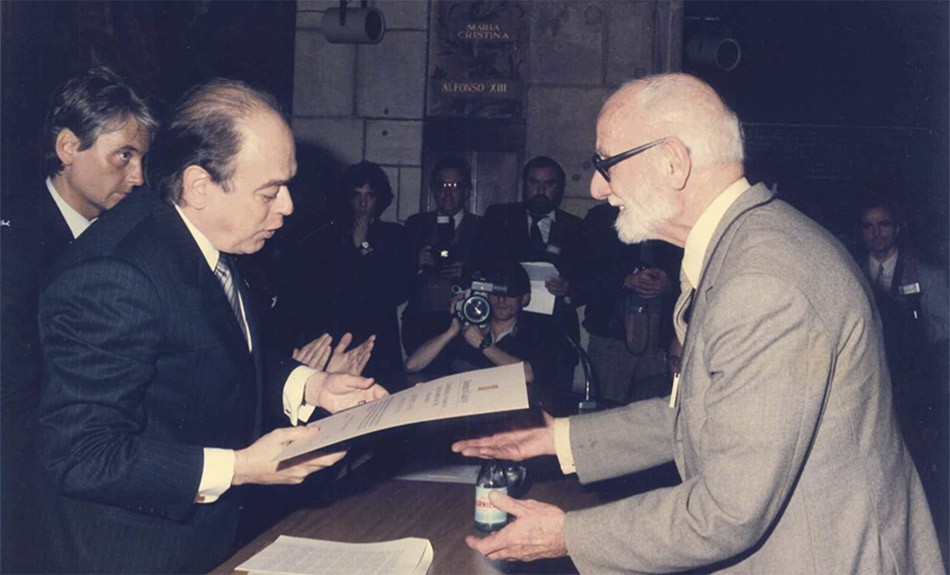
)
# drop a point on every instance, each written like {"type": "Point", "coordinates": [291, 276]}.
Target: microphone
{"type": "Point", "coordinates": [316, 231]}
{"type": "Point", "coordinates": [587, 404]}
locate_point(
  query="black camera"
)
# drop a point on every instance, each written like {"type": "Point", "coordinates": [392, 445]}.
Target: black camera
{"type": "Point", "coordinates": [441, 256]}
{"type": "Point", "coordinates": [475, 307]}
{"type": "Point", "coordinates": [441, 249]}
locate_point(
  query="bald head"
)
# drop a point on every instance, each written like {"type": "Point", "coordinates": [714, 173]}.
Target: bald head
{"type": "Point", "coordinates": [681, 106]}
{"type": "Point", "coordinates": [667, 145]}
{"type": "Point", "coordinates": [208, 129]}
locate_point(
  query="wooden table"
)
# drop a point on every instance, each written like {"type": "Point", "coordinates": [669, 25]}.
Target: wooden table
{"type": "Point", "coordinates": [369, 505]}
{"type": "Point", "coordinates": [440, 512]}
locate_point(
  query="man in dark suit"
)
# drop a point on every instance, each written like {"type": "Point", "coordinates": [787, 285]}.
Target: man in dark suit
{"type": "Point", "coordinates": [151, 408]}
{"type": "Point", "coordinates": [536, 229]}
{"type": "Point", "coordinates": [441, 240]}
{"type": "Point", "coordinates": [97, 133]}
{"type": "Point", "coordinates": [629, 291]}
{"type": "Point", "coordinates": [780, 423]}
{"type": "Point", "coordinates": [911, 295]}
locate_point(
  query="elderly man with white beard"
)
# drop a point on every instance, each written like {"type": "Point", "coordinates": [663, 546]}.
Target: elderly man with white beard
{"type": "Point", "coordinates": [780, 422]}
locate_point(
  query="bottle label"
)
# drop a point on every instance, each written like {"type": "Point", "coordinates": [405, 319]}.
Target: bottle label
{"type": "Point", "coordinates": [485, 512]}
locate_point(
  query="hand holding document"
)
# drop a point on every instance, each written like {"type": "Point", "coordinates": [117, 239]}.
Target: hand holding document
{"type": "Point", "coordinates": [301, 556]}
{"type": "Point", "coordinates": [471, 393]}
{"type": "Point", "coordinates": [542, 301]}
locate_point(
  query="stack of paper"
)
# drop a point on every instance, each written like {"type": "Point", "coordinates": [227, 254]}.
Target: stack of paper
{"type": "Point", "coordinates": [301, 556]}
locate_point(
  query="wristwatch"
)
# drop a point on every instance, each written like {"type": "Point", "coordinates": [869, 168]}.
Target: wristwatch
{"type": "Point", "coordinates": [486, 342]}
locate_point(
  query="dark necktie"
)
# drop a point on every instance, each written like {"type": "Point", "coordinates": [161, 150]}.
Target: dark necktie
{"type": "Point", "coordinates": [223, 273]}
{"type": "Point", "coordinates": [537, 240]}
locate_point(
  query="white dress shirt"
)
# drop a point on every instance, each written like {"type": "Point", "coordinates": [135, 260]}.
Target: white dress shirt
{"type": "Point", "coordinates": [544, 223]}
{"type": "Point", "coordinates": [77, 222]}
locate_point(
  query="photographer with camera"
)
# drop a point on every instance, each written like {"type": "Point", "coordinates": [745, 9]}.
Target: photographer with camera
{"type": "Point", "coordinates": [441, 241]}
{"type": "Point", "coordinates": [488, 329]}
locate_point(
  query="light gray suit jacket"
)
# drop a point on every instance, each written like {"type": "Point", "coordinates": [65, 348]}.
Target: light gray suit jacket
{"type": "Point", "coordinates": [784, 432]}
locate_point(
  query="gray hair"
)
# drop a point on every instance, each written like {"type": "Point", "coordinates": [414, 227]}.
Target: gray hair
{"type": "Point", "coordinates": [686, 107]}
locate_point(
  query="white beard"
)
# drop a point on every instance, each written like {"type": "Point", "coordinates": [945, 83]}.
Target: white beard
{"type": "Point", "coordinates": [639, 223]}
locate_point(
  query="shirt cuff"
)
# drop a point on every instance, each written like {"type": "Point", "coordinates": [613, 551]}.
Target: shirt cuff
{"type": "Point", "coordinates": [216, 474]}
{"type": "Point", "coordinates": [562, 445]}
{"type": "Point", "coordinates": [293, 396]}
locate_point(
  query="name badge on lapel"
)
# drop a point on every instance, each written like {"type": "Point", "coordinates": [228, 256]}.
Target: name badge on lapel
{"type": "Point", "coordinates": [676, 388]}
{"type": "Point", "coordinates": [553, 249]}
{"type": "Point", "coordinates": [909, 289]}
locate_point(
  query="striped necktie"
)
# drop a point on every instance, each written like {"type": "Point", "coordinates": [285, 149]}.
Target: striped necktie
{"type": "Point", "coordinates": [223, 273]}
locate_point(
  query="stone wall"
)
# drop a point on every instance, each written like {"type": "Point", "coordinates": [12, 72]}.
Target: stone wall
{"type": "Point", "coordinates": [368, 102]}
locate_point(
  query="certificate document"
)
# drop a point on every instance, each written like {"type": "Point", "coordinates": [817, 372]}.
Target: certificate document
{"type": "Point", "coordinates": [471, 393]}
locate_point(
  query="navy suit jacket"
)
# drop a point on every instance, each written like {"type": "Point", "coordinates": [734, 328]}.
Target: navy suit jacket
{"type": "Point", "coordinates": [146, 365]}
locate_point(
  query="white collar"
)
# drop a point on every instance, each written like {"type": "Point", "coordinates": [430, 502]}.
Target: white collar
{"type": "Point", "coordinates": [889, 264]}
{"type": "Point", "coordinates": [208, 250]}
{"type": "Point", "coordinates": [456, 219]}
{"type": "Point", "coordinates": [551, 216]}
{"type": "Point", "coordinates": [509, 331]}
{"type": "Point", "coordinates": [697, 242]}
{"type": "Point", "coordinates": [77, 222]}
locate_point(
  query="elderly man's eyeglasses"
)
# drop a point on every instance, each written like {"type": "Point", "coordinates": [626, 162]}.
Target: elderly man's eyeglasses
{"type": "Point", "coordinates": [603, 165]}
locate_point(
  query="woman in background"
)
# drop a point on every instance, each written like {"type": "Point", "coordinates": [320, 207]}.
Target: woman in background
{"type": "Point", "coordinates": [361, 272]}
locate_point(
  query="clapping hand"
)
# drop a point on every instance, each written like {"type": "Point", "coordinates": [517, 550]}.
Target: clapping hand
{"type": "Point", "coordinates": [351, 361]}
{"type": "Point", "coordinates": [317, 354]}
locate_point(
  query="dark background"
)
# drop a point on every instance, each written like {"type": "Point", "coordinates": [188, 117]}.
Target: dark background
{"type": "Point", "coordinates": [837, 98]}
{"type": "Point", "coordinates": [162, 48]}
{"type": "Point", "coordinates": [840, 98]}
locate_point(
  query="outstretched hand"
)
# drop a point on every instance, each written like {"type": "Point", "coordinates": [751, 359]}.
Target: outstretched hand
{"type": "Point", "coordinates": [536, 533]}
{"type": "Point", "coordinates": [512, 445]}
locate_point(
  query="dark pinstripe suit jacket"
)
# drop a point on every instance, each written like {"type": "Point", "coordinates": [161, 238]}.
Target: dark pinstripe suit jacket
{"type": "Point", "coordinates": [146, 365]}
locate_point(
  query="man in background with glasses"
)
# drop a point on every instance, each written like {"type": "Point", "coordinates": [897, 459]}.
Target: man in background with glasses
{"type": "Point", "coordinates": [442, 241]}
{"type": "Point", "coordinates": [780, 422]}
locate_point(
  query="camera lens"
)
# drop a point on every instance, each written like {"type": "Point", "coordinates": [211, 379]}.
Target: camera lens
{"type": "Point", "coordinates": [476, 310]}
